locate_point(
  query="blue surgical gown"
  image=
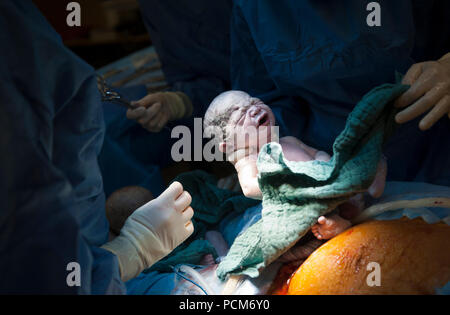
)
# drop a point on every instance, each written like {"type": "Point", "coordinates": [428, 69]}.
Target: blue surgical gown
{"type": "Point", "coordinates": [193, 45]}
{"type": "Point", "coordinates": [53, 206]}
{"type": "Point", "coordinates": [313, 60]}
{"type": "Point", "coordinates": [192, 38]}
{"type": "Point", "coordinates": [132, 156]}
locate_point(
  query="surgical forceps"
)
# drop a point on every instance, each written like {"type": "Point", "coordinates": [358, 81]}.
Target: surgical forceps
{"type": "Point", "coordinates": [110, 95]}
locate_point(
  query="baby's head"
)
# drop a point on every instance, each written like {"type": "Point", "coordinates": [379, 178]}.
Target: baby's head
{"type": "Point", "coordinates": [238, 121]}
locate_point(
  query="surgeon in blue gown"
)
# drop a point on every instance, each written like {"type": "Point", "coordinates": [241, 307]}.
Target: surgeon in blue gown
{"type": "Point", "coordinates": [313, 60]}
{"type": "Point", "coordinates": [52, 128]}
{"type": "Point", "coordinates": [192, 39]}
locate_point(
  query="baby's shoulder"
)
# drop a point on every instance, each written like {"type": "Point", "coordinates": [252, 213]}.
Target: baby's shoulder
{"type": "Point", "coordinates": [289, 141]}
{"type": "Point", "coordinates": [289, 144]}
{"type": "Point", "coordinates": [294, 149]}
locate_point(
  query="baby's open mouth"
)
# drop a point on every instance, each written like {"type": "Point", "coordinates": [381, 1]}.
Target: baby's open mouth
{"type": "Point", "coordinates": [263, 120]}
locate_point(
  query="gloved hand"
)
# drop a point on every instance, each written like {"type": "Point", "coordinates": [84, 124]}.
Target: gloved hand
{"type": "Point", "coordinates": [155, 110]}
{"type": "Point", "coordinates": [153, 231]}
{"type": "Point", "coordinates": [430, 91]}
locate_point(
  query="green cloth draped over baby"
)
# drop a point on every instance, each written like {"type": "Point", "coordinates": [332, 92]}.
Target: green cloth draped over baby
{"type": "Point", "coordinates": [296, 194]}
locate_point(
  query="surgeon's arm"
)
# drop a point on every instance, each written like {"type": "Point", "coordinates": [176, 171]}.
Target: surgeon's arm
{"type": "Point", "coordinates": [43, 240]}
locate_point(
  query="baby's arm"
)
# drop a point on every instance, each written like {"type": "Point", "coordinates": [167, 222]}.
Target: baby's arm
{"type": "Point", "coordinates": [248, 177]}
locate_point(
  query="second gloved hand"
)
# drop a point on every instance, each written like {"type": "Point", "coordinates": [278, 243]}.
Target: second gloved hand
{"type": "Point", "coordinates": [429, 92]}
{"type": "Point", "coordinates": [155, 110]}
{"type": "Point", "coordinates": [153, 231]}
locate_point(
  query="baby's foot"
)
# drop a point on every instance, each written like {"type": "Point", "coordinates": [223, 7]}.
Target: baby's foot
{"type": "Point", "coordinates": [327, 228]}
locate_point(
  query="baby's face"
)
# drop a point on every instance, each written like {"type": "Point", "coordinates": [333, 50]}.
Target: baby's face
{"type": "Point", "coordinates": [249, 116]}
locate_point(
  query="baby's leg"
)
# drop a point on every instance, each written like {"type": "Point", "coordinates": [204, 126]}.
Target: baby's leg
{"type": "Point", "coordinates": [377, 187]}
{"type": "Point", "coordinates": [216, 239]}
{"type": "Point", "coordinates": [300, 252]}
{"type": "Point", "coordinates": [328, 227]}
{"type": "Point", "coordinates": [352, 208]}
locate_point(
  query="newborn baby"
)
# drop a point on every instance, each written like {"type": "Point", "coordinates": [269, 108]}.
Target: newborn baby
{"type": "Point", "coordinates": [243, 125]}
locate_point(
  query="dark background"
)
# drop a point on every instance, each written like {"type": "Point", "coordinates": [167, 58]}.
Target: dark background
{"type": "Point", "coordinates": [111, 30]}
{"type": "Point", "coordinates": [112, 26]}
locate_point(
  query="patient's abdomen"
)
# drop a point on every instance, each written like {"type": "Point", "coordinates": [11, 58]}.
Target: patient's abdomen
{"type": "Point", "coordinates": [413, 258]}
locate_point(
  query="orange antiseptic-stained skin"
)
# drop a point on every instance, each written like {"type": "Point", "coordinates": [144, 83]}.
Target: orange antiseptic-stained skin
{"type": "Point", "coordinates": [280, 285]}
{"type": "Point", "coordinates": [414, 258]}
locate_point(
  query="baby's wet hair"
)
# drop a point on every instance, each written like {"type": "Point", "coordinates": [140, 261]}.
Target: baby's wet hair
{"type": "Point", "coordinates": [217, 118]}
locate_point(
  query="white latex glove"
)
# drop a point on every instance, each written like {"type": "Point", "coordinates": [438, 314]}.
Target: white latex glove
{"type": "Point", "coordinates": [429, 91]}
{"type": "Point", "coordinates": [155, 110]}
{"type": "Point", "coordinates": [153, 231]}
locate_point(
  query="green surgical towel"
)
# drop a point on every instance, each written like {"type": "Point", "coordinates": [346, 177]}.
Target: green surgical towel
{"type": "Point", "coordinates": [296, 194]}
